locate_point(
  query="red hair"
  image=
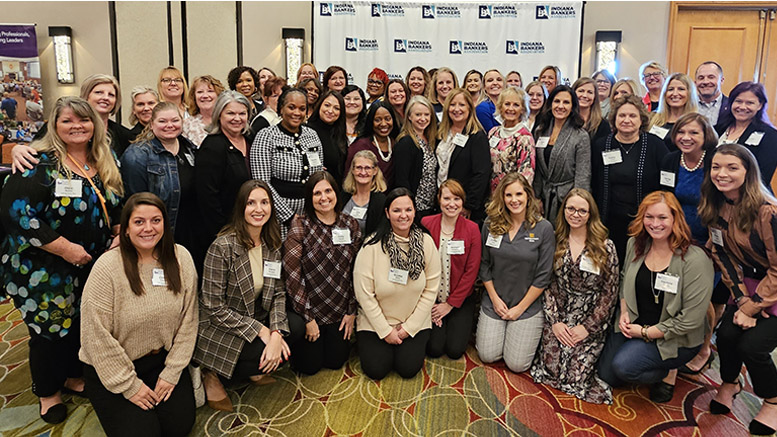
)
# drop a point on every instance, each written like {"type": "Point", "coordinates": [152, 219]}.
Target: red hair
{"type": "Point", "coordinates": [380, 74]}
{"type": "Point", "coordinates": [680, 239]}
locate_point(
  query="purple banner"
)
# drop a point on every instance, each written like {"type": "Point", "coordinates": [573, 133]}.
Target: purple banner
{"type": "Point", "coordinates": [21, 94]}
{"type": "Point", "coordinates": [18, 41]}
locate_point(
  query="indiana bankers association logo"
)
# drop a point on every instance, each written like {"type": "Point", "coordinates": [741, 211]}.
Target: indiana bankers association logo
{"type": "Point", "coordinates": [329, 9]}
{"type": "Point", "coordinates": [545, 12]}
{"type": "Point", "coordinates": [468, 47]}
{"type": "Point", "coordinates": [360, 44]}
{"type": "Point", "coordinates": [486, 12]}
{"type": "Point", "coordinates": [412, 46]}
{"type": "Point", "coordinates": [524, 47]}
{"type": "Point", "coordinates": [438, 11]}
{"type": "Point", "coordinates": [384, 10]}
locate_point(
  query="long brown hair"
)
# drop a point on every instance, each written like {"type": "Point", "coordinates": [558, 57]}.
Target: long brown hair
{"type": "Point", "coordinates": [679, 240]}
{"type": "Point", "coordinates": [271, 231]}
{"type": "Point", "coordinates": [500, 221]}
{"type": "Point", "coordinates": [164, 250]}
{"type": "Point", "coordinates": [596, 232]}
{"type": "Point", "coordinates": [595, 114]}
{"type": "Point", "coordinates": [473, 125]}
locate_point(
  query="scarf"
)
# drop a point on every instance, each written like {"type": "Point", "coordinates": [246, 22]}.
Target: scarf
{"type": "Point", "coordinates": [413, 259]}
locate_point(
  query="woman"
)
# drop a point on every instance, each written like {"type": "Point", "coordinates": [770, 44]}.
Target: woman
{"type": "Point", "coordinates": [745, 122]}
{"type": "Point", "coordinates": [328, 120]}
{"type": "Point", "coordinates": [318, 259]}
{"type": "Point", "coordinates": [58, 217]}
{"type": "Point", "coordinates": [677, 99]}
{"type": "Point", "coordinates": [417, 168]}
{"type": "Point", "coordinates": [537, 97]}
{"type": "Point", "coordinates": [378, 134]}
{"type": "Point", "coordinates": [287, 154]}
{"type": "Point", "coordinates": [244, 330]}
{"type": "Point", "coordinates": [104, 94]}
{"type": "Point", "coordinates": [396, 278]}
{"type": "Point", "coordinates": [376, 85]}
{"type": "Point", "coordinates": [565, 159]}
{"type": "Point", "coordinates": [740, 213]}
{"type": "Point", "coordinates": [550, 76]}
{"type": "Point", "coordinates": [264, 74]}
{"type": "Point", "coordinates": [590, 110]}
{"type": "Point", "coordinates": [201, 100]}
{"type": "Point", "coordinates": [604, 83]}
{"type": "Point", "coordinates": [221, 167]}
{"type": "Point", "coordinates": [473, 82]}
{"type": "Point", "coordinates": [493, 84]}
{"type": "Point", "coordinates": [652, 75]}
{"type": "Point", "coordinates": [355, 111]}
{"type": "Point", "coordinates": [143, 101]}
{"type": "Point", "coordinates": [625, 87]}
{"type": "Point", "coordinates": [462, 153]}
{"type": "Point", "coordinates": [363, 189]}
{"type": "Point", "coordinates": [398, 95]}
{"type": "Point", "coordinates": [458, 241]}
{"type": "Point", "coordinates": [579, 302]}
{"type": "Point", "coordinates": [314, 91]}
{"type": "Point", "coordinates": [626, 167]}
{"type": "Point", "coordinates": [161, 161]}
{"type": "Point", "coordinates": [269, 116]}
{"type": "Point", "coordinates": [335, 78]}
{"type": "Point", "coordinates": [514, 79]}
{"type": "Point", "coordinates": [515, 268]}
{"type": "Point", "coordinates": [664, 294]}
{"type": "Point", "coordinates": [172, 87]}
{"type": "Point", "coordinates": [443, 82]}
{"type": "Point", "coordinates": [306, 71]}
{"type": "Point", "coordinates": [416, 80]}
{"type": "Point", "coordinates": [244, 80]}
{"type": "Point", "coordinates": [511, 145]}
{"type": "Point", "coordinates": [137, 378]}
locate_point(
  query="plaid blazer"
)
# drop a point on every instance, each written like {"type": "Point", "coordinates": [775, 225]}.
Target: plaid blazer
{"type": "Point", "coordinates": [229, 316]}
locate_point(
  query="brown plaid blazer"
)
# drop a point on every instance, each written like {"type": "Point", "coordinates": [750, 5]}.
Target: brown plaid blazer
{"type": "Point", "coordinates": [229, 316]}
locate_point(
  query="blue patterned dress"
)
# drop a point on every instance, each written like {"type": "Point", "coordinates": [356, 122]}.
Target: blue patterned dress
{"type": "Point", "coordinates": [43, 286]}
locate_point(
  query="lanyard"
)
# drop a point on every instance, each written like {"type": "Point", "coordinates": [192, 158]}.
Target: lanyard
{"type": "Point", "coordinates": [97, 191]}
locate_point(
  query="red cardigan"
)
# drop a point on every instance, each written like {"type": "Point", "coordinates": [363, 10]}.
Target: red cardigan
{"type": "Point", "coordinates": [464, 268]}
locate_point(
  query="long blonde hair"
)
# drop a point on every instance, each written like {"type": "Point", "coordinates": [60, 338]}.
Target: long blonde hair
{"type": "Point", "coordinates": [661, 116]}
{"type": "Point", "coordinates": [407, 126]}
{"type": "Point", "coordinates": [500, 221]}
{"type": "Point", "coordinates": [472, 126]}
{"type": "Point", "coordinates": [99, 150]}
{"type": "Point", "coordinates": [596, 232]}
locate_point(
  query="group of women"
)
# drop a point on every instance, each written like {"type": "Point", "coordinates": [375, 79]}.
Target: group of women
{"type": "Point", "coordinates": [340, 215]}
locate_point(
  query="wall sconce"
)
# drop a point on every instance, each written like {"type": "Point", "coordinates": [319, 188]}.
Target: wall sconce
{"type": "Point", "coordinates": [607, 48]}
{"type": "Point", "coordinates": [63, 52]}
{"type": "Point", "coordinates": [293, 42]}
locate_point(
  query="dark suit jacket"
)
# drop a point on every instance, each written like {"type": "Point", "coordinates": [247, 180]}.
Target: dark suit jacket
{"type": "Point", "coordinates": [471, 167]}
{"type": "Point", "coordinates": [408, 164]}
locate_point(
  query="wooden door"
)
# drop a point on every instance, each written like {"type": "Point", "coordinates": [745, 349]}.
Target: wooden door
{"type": "Point", "coordinates": [768, 72]}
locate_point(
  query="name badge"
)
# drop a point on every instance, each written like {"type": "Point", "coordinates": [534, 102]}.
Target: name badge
{"type": "Point", "coordinates": [717, 236]}
{"type": "Point", "coordinates": [358, 212]}
{"type": "Point", "coordinates": [341, 236]}
{"type": "Point", "coordinates": [531, 238]}
{"type": "Point", "coordinates": [611, 157]}
{"type": "Point", "coordinates": [313, 159]}
{"type": "Point", "coordinates": [493, 241]}
{"type": "Point", "coordinates": [754, 139]}
{"type": "Point", "coordinates": [659, 131]}
{"type": "Point", "coordinates": [397, 276]}
{"type": "Point", "coordinates": [667, 282]}
{"type": "Point", "coordinates": [542, 142]}
{"type": "Point", "coordinates": [494, 141]}
{"type": "Point", "coordinates": [455, 247]}
{"type": "Point", "coordinates": [667, 178]}
{"type": "Point", "coordinates": [68, 188]}
{"type": "Point", "coordinates": [158, 278]}
{"type": "Point", "coordinates": [587, 265]}
{"type": "Point", "coordinates": [460, 140]}
{"type": "Point", "coordinates": [272, 269]}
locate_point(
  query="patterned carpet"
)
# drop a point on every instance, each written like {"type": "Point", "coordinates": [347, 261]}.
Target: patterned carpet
{"type": "Point", "coordinates": [450, 398]}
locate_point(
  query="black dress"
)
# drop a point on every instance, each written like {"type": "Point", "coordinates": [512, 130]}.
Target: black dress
{"type": "Point", "coordinates": [335, 149]}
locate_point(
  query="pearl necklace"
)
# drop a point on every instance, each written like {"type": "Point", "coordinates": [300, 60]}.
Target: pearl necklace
{"type": "Point", "coordinates": [385, 158]}
{"type": "Point", "coordinates": [698, 165]}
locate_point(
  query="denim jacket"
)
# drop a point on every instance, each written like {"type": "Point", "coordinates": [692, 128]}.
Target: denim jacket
{"type": "Point", "coordinates": [148, 166]}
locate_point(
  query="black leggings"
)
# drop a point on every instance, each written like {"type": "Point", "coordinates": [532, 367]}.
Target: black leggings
{"type": "Point", "coordinates": [378, 358]}
{"type": "Point", "coordinates": [248, 362]}
{"type": "Point", "coordinates": [52, 361]}
{"type": "Point", "coordinates": [452, 338]}
{"type": "Point", "coordinates": [330, 350]}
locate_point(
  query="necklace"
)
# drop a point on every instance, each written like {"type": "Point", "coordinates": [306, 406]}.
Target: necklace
{"type": "Point", "coordinates": [620, 144]}
{"type": "Point", "coordinates": [76, 162]}
{"type": "Point", "coordinates": [652, 288]}
{"type": "Point", "coordinates": [698, 165]}
{"type": "Point", "coordinates": [387, 157]}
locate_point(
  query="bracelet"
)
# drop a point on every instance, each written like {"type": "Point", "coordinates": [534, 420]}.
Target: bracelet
{"type": "Point", "coordinates": [645, 334]}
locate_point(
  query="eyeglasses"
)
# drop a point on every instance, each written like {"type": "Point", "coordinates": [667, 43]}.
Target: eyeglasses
{"type": "Point", "coordinates": [572, 211]}
{"type": "Point", "coordinates": [363, 168]}
{"type": "Point", "coordinates": [657, 74]}
{"type": "Point", "coordinates": [602, 82]}
{"type": "Point", "coordinates": [167, 80]}
{"type": "Point", "coordinates": [374, 82]}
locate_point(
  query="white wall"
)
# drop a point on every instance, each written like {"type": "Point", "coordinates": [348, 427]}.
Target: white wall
{"type": "Point", "coordinates": [262, 24]}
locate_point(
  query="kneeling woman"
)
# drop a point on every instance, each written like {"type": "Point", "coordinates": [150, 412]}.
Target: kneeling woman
{"type": "Point", "coordinates": [665, 291]}
{"type": "Point", "coordinates": [136, 376]}
{"type": "Point", "coordinates": [243, 322]}
{"type": "Point", "coordinates": [319, 253]}
{"type": "Point", "coordinates": [396, 279]}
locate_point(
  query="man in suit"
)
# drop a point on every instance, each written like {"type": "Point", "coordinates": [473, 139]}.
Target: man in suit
{"type": "Point", "coordinates": [712, 102]}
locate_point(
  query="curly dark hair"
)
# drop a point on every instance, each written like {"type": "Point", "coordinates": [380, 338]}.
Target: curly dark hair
{"type": "Point", "coordinates": [234, 76]}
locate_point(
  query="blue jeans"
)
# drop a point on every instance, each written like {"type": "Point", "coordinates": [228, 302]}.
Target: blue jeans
{"type": "Point", "coordinates": [633, 360]}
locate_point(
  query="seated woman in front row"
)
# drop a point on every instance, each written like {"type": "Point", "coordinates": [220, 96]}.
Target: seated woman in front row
{"type": "Point", "coordinates": [665, 291]}
{"type": "Point", "coordinates": [139, 326]}
{"type": "Point", "coordinates": [396, 278]}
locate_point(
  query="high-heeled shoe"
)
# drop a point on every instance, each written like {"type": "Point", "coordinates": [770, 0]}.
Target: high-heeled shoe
{"type": "Point", "coordinates": [224, 404]}
{"type": "Point", "coordinates": [758, 428]}
{"type": "Point", "coordinates": [55, 414]}
{"type": "Point", "coordinates": [718, 408]}
{"type": "Point", "coordinates": [708, 365]}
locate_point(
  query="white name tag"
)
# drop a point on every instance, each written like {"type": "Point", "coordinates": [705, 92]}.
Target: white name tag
{"type": "Point", "coordinates": [460, 140]}
{"type": "Point", "coordinates": [313, 159]}
{"type": "Point", "coordinates": [493, 241]}
{"type": "Point", "coordinates": [341, 236]}
{"type": "Point", "coordinates": [659, 131]}
{"type": "Point", "coordinates": [717, 236]}
{"type": "Point", "coordinates": [358, 212]}
{"type": "Point", "coordinates": [272, 269]}
{"type": "Point", "coordinates": [494, 141]}
{"type": "Point", "coordinates": [397, 276]}
{"type": "Point", "coordinates": [754, 139]}
{"type": "Point", "coordinates": [587, 265]}
{"type": "Point", "coordinates": [455, 247]}
{"type": "Point", "coordinates": [667, 178]}
{"type": "Point", "coordinates": [667, 282]}
{"type": "Point", "coordinates": [158, 278]}
{"type": "Point", "coordinates": [611, 157]}
{"type": "Point", "coordinates": [542, 142]}
{"type": "Point", "coordinates": [68, 188]}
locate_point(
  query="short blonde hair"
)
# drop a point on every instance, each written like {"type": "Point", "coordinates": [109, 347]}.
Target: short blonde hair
{"type": "Point", "coordinates": [519, 94]}
{"type": "Point", "coordinates": [137, 91]}
{"type": "Point", "coordinates": [378, 183]}
{"type": "Point", "coordinates": [191, 99]}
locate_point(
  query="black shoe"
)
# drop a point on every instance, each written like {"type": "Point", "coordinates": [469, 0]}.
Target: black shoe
{"type": "Point", "coordinates": [718, 408]}
{"type": "Point", "coordinates": [661, 392]}
{"type": "Point", "coordinates": [708, 365]}
{"type": "Point", "coordinates": [56, 414]}
{"type": "Point", "coordinates": [758, 428]}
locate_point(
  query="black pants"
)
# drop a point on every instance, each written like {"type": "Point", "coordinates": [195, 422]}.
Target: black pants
{"type": "Point", "coordinates": [378, 358]}
{"type": "Point", "coordinates": [120, 417]}
{"type": "Point", "coordinates": [248, 361]}
{"type": "Point", "coordinates": [330, 350]}
{"type": "Point", "coordinates": [452, 338]}
{"type": "Point", "coordinates": [53, 361]}
{"type": "Point", "coordinates": [753, 347]}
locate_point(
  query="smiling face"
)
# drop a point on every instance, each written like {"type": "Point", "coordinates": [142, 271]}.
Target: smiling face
{"type": "Point", "coordinates": [375, 86]}
{"type": "Point", "coordinates": [293, 112]}
{"type": "Point", "coordinates": [167, 125]}
{"type": "Point", "coordinates": [458, 110]}
{"type": "Point", "coordinates": [233, 119]}
{"type": "Point", "coordinates": [264, 74]}
{"type": "Point", "coordinates": [472, 83]}
{"type": "Point", "coordinates": [245, 84]}
{"type": "Point", "coordinates": [205, 96]}
{"type": "Point", "coordinates": [515, 199]}
{"type": "Point", "coordinates": [627, 121]}
{"type": "Point", "coordinates": [382, 123]}
{"type": "Point", "coordinates": [511, 111]}
{"type": "Point", "coordinates": [690, 137]}
{"type": "Point", "coordinates": [401, 214]}
{"type": "Point", "coordinates": [585, 95]}
{"type": "Point", "coordinates": [513, 79]}
{"type": "Point", "coordinates": [363, 171]}
{"type": "Point", "coordinates": [708, 81]}
{"type": "Point", "coordinates": [420, 117]}
{"type": "Point", "coordinates": [102, 98]}
{"type": "Point", "coordinates": [258, 208]}
{"type": "Point", "coordinates": [451, 205]}
{"type": "Point", "coordinates": [416, 83]}
{"type": "Point", "coordinates": [329, 111]}
{"type": "Point", "coordinates": [172, 86]}
{"type": "Point", "coordinates": [353, 103]}
{"type": "Point", "coordinates": [336, 81]}
{"type": "Point", "coordinates": [146, 227]}
{"type": "Point", "coordinates": [561, 106]}
{"type": "Point", "coordinates": [536, 98]}
{"type": "Point", "coordinates": [576, 212]}
{"type": "Point", "coordinates": [653, 78]}
{"type": "Point", "coordinates": [312, 93]}
{"type": "Point", "coordinates": [603, 87]}
{"type": "Point", "coordinates": [745, 106]}
{"type": "Point", "coordinates": [72, 129]}
{"type": "Point", "coordinates": [494, 84]}
{"type": "Point", "coordinates": [676, 94]}
{"type": "Point", "coordinates": [658, 221]}
{"type": "Point", "coordinates": [142, 107]}
{"type": "Point", "coordinates": [444, 85]}
{"type": "Point", "coordinates": [728, 173]}
{"type": "Point", "coordinates": [548, 78]}
{"type": "Point", "coordinates": [307, 72]}
{"type": "Point", "coordinates": [324, 198]}
{"type": "Point", "coordinates": [396, 94]}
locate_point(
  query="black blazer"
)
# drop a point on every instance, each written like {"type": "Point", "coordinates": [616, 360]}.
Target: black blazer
{"type": "Point", "coordinates": [408, 164]}
{"type": "Point", "coordinates": [374, 210]}
{"type": "Point", "coordinates": [765, 152]}
{"type": "Point", "coordinates": [471, 167]}
{"type": "Point", "coordinates": [334, 157]}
